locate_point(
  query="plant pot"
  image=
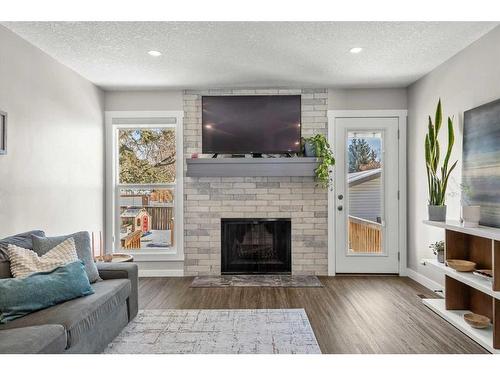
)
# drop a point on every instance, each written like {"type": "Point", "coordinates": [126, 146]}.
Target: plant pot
{"type": "Point", "coordinates": [440, 256]}
{"type": "Point", "coordinates": [310, 149]}
{"type": "Point", "coordinates": [471, 216]}
{"type": "Point", "coordinates": [437, 213]}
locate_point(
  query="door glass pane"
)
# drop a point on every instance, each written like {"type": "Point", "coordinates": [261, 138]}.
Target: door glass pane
{"type": "Point", "coordinates": [146, 218]}
{"type": "Point", "coordinates": [365, 192]}
{"type": "Point", "coordinates": [146, 156]}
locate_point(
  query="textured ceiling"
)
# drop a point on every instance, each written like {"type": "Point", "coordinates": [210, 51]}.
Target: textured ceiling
{"type": "Point", "coordinates": [114, 55]}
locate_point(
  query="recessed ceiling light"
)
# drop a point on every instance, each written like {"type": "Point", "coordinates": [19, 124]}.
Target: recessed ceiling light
{"type": "Point", "coordinates": [356, 50]}
{"type": "Point", "coordinates": [154, 53]}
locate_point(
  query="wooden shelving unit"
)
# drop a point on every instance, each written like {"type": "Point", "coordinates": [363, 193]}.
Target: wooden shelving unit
{"type": "Point", "coordinates": [467, 278]}
{"type": "Point", "coordinates": [465, 292]}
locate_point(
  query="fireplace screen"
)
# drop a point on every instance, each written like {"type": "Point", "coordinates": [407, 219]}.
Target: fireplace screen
{"type": "Point", "coordinates": [256, 246]}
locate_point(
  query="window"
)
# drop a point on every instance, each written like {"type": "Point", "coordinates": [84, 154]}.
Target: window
{"type": "Point", "coordinates": [146, 155]}
{"type": "Point", "coordinates": [147, 184]}
{"type": "Point", "coordinates": [365, 191]}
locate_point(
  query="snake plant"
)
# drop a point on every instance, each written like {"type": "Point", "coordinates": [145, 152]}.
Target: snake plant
{"type": "Point", "coordinates": [437, 177]}
{"type": "Point", "coordinates": [324, 152]}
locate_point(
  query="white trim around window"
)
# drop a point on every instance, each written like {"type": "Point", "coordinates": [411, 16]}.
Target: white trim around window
{"type": "Point", "coordinates": [125, 119]}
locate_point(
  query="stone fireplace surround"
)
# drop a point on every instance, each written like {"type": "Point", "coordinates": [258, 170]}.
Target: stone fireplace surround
{"type": "Point", "coordinates": [209, 199]}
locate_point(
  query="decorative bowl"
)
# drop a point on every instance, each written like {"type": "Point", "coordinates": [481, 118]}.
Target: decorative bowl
{"type": "Point", "coordinates": [115, 258]}
{"type": "Point", "coordinates": [476, 320]}
{"type": "Point", "coordinates": [461, 265]}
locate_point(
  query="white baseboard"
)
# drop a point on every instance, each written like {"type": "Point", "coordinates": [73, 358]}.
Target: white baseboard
{"type": "Point", "coordinates": [161, 273]}
{"type": "Point", "coordinates": [424, 280]}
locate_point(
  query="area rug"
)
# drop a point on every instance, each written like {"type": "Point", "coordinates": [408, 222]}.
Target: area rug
{"type": "Point", "coordinates": [275, 281]}
{"type": "Point", "coordinates": [262, 331]}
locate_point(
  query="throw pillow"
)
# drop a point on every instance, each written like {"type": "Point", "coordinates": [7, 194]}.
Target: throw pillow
{"type": "Point", "coordinates": [24, 262]}
{"type": "Point", "coordinates": [82, 243]}
{"type": "Point", "coordinates": [21, 296]}
{"type": "Point", "coordinates": [22, 240]}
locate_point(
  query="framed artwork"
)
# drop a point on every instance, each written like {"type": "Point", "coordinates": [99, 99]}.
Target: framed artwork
{"type": "Point", "coordinates": [481, 160]}
{"type": "Point", "coordinates": [3, 133]}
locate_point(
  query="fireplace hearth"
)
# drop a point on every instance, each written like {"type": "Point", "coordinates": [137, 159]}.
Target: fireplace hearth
{"type": "Point", "coordinates": [256, 246]}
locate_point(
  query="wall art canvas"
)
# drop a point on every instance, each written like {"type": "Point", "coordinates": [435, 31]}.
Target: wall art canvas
{"type": "Point", "coordinates": [481, 160]}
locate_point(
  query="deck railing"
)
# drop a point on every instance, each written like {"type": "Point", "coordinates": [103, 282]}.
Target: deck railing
{"type": "Point", "coordinates": [365, 236]}
{"type": "Point", "coordinates": [132, 240]}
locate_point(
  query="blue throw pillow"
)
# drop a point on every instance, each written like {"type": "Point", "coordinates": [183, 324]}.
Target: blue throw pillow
{"type": "Point", "coordinates": [21, 296]}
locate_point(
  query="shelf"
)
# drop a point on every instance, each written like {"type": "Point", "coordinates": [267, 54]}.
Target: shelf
{"type": "Point", "coordinates": [456, 226]}
{"type": "Point", "coordinates": [483, 337]}
{"type": "Point", "coordinates": [465, 291]}
{"type": "Point", "coordinates": [252, 167]}
{"type": "Point", "coordinates": [467, 278]}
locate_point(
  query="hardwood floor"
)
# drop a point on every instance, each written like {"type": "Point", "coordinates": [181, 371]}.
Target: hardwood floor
{"type": "Point", "coordinates": [351, 314]}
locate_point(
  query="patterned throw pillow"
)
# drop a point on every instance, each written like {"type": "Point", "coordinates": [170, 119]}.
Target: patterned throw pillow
{"type": "Point", "coordinates": [24, 262]}
{"type": "Point", "coordinates": [83, 249]}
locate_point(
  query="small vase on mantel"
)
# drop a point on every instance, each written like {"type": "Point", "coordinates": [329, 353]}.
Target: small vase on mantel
{"type": "Point", "coordinates": [437, 213]}
{"type": "Point", "coordinates": [310, 149]}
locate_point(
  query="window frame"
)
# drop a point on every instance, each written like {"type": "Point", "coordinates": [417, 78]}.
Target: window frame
{"type": "Point", "coordinates": [176, 252]}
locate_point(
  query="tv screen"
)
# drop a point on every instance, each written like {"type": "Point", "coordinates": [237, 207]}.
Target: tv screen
{"type": "Point", "coordinates": [251, 124]}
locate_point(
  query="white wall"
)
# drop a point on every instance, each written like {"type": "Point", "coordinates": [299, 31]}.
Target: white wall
{"type": "Point", "coordinates": [467, 80]}
{"type": "Point", "coordinates": [357, 99]}
{"type": "Point", "coordinates": [52, 176]}
{"type": "Point", "coordinates": [143, 100]}
{"type": "Point", "coordinates": [167, 100]}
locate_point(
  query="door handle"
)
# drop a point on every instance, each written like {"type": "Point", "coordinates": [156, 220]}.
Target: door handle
{"type": "Point", "coordinates": [340, 207]}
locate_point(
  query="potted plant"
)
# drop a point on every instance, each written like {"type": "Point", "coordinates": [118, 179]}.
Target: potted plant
{"type": "Point", "coordinates": [438, 249]}
{"type": "Point", "coordinates": [471, 214]}
{"type": "Point", "coordinates": [437, 176]}
{"type": "Point", "coordinates": [318, 146]}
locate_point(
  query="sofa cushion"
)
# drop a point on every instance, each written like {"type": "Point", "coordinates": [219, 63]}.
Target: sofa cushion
{"type": "Point", "coordinates": [22, 240]}
{"type": "Point", "coordinates": [43, 339]}
{"type": "Point", "coordinates": [24, 262]}
{"type": "Point", "coordinates": [42, 245]}
{"type": "Point", "coordinates": [78, 315]}
{"type": "Point", "coordinates": [21, 296]}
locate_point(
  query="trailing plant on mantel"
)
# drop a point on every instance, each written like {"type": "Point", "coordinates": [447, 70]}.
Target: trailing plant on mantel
{"type": "Point", "coordinates": [324, 152]}
{"type": "Point", "coordinates": [437, 177]}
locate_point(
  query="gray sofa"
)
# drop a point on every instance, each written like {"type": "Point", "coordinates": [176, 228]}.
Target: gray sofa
{"type": "Point", "coordinates": [82, 325]}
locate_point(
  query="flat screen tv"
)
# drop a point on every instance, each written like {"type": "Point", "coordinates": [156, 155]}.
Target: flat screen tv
{"type": "Point", "coordinates": [255, 124]}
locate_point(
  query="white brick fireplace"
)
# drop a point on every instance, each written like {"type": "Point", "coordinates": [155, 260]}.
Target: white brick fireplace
{"type": "Point", "coordinates": [209, 199]}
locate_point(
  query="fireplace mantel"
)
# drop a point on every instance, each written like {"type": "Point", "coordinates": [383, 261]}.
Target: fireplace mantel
{"type": "Point", "coordinates": [252, 167]}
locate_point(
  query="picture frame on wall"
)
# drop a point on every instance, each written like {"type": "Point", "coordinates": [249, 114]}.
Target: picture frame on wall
{"type": "Point", "coordinates": [3, 133]}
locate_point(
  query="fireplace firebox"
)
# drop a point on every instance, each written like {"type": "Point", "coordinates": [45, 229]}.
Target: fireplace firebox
{"type": "Point", "coordinates": [256, 246]}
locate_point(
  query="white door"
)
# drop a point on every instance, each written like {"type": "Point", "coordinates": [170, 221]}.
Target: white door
{"type": "Point", "coordinates": [365, 204]}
